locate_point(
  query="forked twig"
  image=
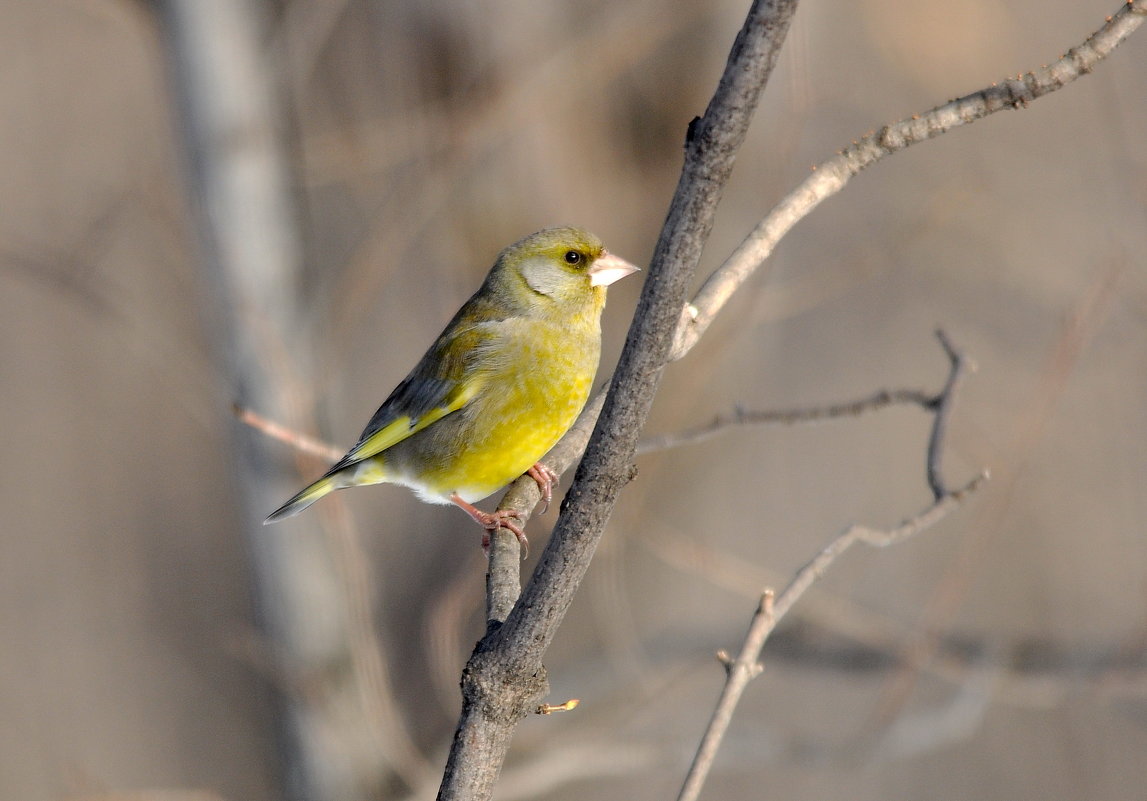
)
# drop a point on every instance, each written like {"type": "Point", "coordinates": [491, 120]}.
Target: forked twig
{"type": "Point", "coordinates": [740, 671]}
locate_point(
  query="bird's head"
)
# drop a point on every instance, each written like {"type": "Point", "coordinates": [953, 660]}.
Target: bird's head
{"type": "Point", "coordinates": [568, 267]}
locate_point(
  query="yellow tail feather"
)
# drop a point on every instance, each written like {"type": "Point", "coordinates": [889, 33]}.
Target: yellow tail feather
{"type": "Point", "coordinates": [305, 498]}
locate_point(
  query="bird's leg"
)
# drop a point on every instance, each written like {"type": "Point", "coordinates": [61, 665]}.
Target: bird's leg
{"type": "Point", "coordinates": [492, 521]}
{"type": "Point", "coordinates": [546, 479]}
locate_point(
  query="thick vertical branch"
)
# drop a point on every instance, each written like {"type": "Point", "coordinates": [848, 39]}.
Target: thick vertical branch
{"type": "Point", "coordinates": [504, 677]}
{"type": "Point", "coordinates": [710, 150]}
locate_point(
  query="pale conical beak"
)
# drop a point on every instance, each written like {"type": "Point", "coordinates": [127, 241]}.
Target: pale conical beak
{"type": "Point", "coordinates": [609, 268]}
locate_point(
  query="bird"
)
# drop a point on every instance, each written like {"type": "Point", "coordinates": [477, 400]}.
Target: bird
{"type": "Point", "coordinates": [499, 387]}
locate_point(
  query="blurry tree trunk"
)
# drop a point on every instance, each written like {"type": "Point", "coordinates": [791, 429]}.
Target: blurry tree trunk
{"type": "Point", "coordinates": [238, 170]}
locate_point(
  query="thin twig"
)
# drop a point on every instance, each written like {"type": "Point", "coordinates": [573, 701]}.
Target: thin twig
{"type": "Point", "coordinates": [960, 365]}
{"type": "Point", "coordinates": [881, 399]}
{"type": "Point", "coordinates": [738, 673]}
{"type": "Point", "coordinates": [746, 666]}
{"type": "Point", "coordinates": [299, 441]}
{"type": "Point", "coordinates": [832, 175]}
{"type": "Point", "coordinates": [877, 538]}
{"type": "Point", "coordinates": [1083, 320]}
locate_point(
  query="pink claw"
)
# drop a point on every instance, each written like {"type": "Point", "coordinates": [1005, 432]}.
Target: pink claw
{"type": "Point", "coordinates": [492, 521]}
{"type": "Point", "coordinates": [546, 478]}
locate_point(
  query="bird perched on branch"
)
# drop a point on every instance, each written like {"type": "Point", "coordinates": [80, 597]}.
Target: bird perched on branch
{"type": "Point", "coordinates": [498, 388]}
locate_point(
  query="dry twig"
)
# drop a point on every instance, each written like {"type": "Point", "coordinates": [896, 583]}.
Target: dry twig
{"type": "Point", "coordinates": [740, 671]}
{"type": "Point", "coordinates": [297, 440]}
{"type": "Point", "coordinates": [881, 399]}
{"type": "Point", "coordinates": [832, 175]}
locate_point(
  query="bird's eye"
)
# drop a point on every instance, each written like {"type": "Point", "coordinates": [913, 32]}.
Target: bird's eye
{"type": "Point", "coordinates": [572, 257]}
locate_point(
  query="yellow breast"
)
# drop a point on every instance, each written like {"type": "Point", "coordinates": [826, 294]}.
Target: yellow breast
{"type": "Point", "coordinates": [533, 392]}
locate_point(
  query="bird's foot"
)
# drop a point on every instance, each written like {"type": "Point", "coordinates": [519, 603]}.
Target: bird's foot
{"type": "Point", "coordinates": [546, 479]}
{"type": "Point", "coordinates": [492, 521]}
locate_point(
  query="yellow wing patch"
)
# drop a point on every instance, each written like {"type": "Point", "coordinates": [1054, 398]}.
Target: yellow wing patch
{"type": "Point", "coordinates": [403, 427]}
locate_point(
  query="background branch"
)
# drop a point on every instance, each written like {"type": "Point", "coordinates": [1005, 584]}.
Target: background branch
{"type": "Point", "coordinates": [832, 175]}
{"type": "Point", "coordinates": [740, 671]}
{"type": "Point", "coordinates": [881, 399]}
{"type": "Point", "coordinates": [313, 587]}
{"type": "Point", "coordinates": [289, 436]}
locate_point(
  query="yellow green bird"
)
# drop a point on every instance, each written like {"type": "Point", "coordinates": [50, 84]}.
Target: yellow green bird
{"type": "Point", "coordinates": [498, 388]}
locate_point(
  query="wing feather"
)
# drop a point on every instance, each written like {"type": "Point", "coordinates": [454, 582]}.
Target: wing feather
{"type": "Point", "coordinates": [446, 379]}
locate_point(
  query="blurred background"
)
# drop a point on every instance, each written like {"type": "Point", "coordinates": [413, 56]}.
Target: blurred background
{"type": "Point", "coordinates": [157, 644]}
